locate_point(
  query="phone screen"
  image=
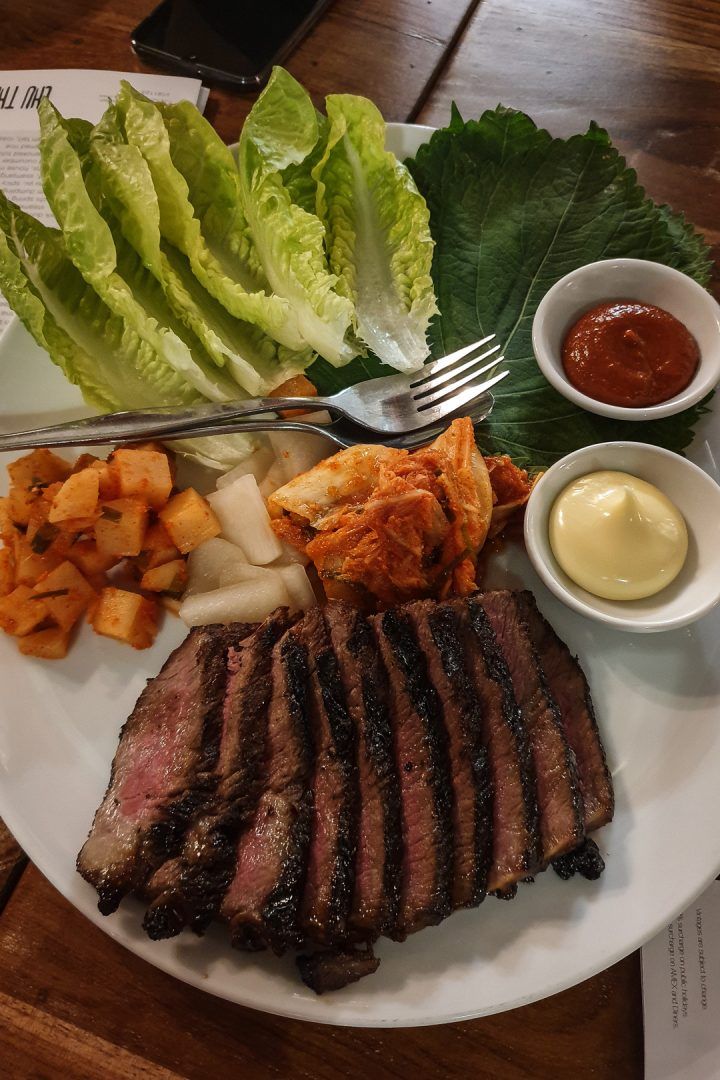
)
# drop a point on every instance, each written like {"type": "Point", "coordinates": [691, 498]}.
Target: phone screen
{"type": "Point", "coordinates": [235, 41]}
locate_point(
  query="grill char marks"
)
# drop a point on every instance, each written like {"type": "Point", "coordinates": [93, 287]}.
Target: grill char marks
{"type": "Point", "coordinates": [162, 768]}
{"type": "Point", "coordinates": [558, 794]}
{"type": "Point", "coordinates": [425, 787]}
{"type": "Point", "coordinates": [261, 902]}
{"type": "Point", "coordinates": [331, 859]}
{"type": "Point", "coordinates": [188, 890]}
{"type": "Point", "coordinates": [515, 829]}
{"type": "Point", "coordinates": [333, 969]}
{"type": "Point", "coordinates": [331, 778]}
{"type": "Point", "coordinates": [376, 894]}
{"type": "Point", "coordinates": [568, 685]}
{"type": "Point", "coordinates": [439, 634]}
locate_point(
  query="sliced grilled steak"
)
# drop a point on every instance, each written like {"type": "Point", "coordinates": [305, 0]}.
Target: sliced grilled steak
{"type": "Point", "coordinates": [331, 860]}
{"type": "Point", "coordinates": [188, 889]}
{"type": "Point", "coordinates": [376, 895]}
{"type": "Point", "coordinates": [568, 685]}
{"type": "Point", "coordinates": [585, 860]}
{"type": "Point", "coordinates": [161, 769]}
{"type": "Point", "coordinates": [439, 634]}
{"type": "Point", "coordinates": [262, 900]}
{"type": "Point", "coordinates": [558, 792]}
{"type": "Point", "coordinates": [333, 778]}
{"type": "Point", "coordinates": [421, 754]}
{"type": "Point", "coordinates": [516, 839]}
{"type": "Point", "coordinates": [335, 968]}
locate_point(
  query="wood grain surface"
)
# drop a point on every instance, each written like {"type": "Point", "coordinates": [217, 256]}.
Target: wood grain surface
{"type": "Point", "coordinates": [649, 72]}
{"type": "Point", "coordinates": [390, 50]}
{"type": "Point", "coordinates": [73, 1004]}
{"type": "Point", "coordinates": [12, 861]}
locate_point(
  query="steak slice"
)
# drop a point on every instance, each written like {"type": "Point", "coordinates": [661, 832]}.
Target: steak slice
{"type": "Point", "coordinates": [378, 859]}
{"type": "Point", "coordinates": [161, 769]}
{"type": "Point", "coordinates": [569, 688]}
{"type": "Point", "coordinates": [515, 852]}
{"type": "Point", "coordinates": [332, 969]}
{"type": "Point", "coordinates": [558, 792]}
{"type": "Point", "coordinates": [585, 860]}
{"type": "Point", "coordinates": [331, 859]}
{"type": "Point", "coordinates": [262, 900]}
{"type": "Point", "coordinates": [188, 889]}
{"type": "Point", "coordinates": [421, 754]}
{"type": "Point", "coordinates": [440, 636]}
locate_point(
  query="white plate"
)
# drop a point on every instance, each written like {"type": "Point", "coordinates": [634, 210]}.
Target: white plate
{"type": "Point", "coordinates": [657, 700]}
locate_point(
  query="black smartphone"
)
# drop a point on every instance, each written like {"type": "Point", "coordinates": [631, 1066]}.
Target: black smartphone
{"type": "Point", "coordinates": [228, 42]}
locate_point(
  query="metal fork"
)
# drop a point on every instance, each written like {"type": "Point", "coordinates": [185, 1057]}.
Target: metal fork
{"type": "Point", "coordinates": [345, 433]}
{"type": "Point", "coordinates": [341, 431]}
{"type": "Point", "coordinates": [391, 405]}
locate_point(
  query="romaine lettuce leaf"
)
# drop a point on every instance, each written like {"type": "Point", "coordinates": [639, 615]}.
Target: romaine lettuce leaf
{"type": "Point", "coordinates": [240, 291]}
{"type": "Point", "coordinates": [378, 233]}
{"type": "Point", "coordinates": [282, 131]}
{"type": "Point", "coordinates": [97, 351]}
{"type": "Point", "coordinates": [298, 177]}
{"type": "Point", "coordinates": [22, 287]}
{"type": "Point", "coordinates": [213, 382]}
{"type": "Point", "coordinates": [210, 172]}
{"type": "Point", "coordinates": [511, 211]}
{"type": "Point", "coordinates": [255, 361]}
{"type": "Point", "coordinates": [130, 292]}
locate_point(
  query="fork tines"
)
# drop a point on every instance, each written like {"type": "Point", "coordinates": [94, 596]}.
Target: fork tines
{"type": "Point", "coordinates": [443, 378]}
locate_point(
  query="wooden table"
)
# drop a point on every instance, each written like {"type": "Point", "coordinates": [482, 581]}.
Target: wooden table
{"type": "Point", "coordinates": [72, 1003]}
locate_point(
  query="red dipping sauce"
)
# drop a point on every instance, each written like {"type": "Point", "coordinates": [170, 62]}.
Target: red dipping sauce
{"type": "Point", "coordinates": [627, 353]}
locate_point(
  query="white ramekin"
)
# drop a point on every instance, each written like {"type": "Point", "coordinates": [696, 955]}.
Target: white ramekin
{"type": "Point", "coordinates": [694, 591]}
{"type": "Point", "coordinates": [628, 279]}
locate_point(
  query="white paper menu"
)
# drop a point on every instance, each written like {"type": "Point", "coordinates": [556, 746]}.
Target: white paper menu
{"type": "Point", "coordinates": [75, 93]}
{"type": "Point", "coordinates": [681, 995]}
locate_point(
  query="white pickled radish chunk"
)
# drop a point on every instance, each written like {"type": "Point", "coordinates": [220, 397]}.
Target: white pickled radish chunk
{"type": "Point", "coordinates": [208, 562]}
{"type": "Point", "coordinates": [290, 557]}
{"type": "Point", "coordinates": [298, 451]}
{"type": "Point", "coordinates": [233, 575]}
{"type": "Point", "coordinates": [273, 479]}
{"type": "Point", "coordinates": [320, 416]}
{"type": "Point", "coordinates": [256, 465]}
{"type": "Point", "coordinates": [244, 520]}
{"type": "Point", "coordinates": [297, 583]}
{"type": "Point", "coordinates": [250, 601]}
{"type": "Point", "coordinates": [229, 507]}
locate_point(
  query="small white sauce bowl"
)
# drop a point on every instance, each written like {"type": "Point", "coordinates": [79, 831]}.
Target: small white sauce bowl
{"type": "Point", "coordinates": [694, 591]}
{"type": "Point", "coordinates": [628, 279]}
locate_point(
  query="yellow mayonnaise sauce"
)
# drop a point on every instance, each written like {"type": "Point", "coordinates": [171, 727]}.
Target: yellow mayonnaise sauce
{"type": "Point", "coordinates": [617, 536]}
